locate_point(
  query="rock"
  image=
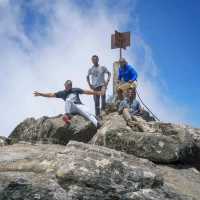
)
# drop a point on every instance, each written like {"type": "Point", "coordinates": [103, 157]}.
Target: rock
{"type": "Point", "coordinates": [156, 141]}
{"type": "Point", "coordinates": [4, 141]}
{"type": "Point", "coordinates": [53, 130]}
{"type": "Point", "coordinates": [28, 186]}
{"type": "Point", "coordinates": [78, 171]}
{"type": "Point", "coordinates": [194, 133]}
{"type": "Point", "coordinates": [182, 178]}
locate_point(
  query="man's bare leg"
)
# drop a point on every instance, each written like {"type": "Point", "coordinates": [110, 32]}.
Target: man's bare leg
{"type": "Point", "coordinates": [131, 121]}
{"type": "Point", "coordinates": [126, 115]}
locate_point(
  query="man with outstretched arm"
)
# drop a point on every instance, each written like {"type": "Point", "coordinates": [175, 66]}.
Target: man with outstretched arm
{"type": "Point", "coordinates": [73, 104]}
{"type": "Point", "coordinates": [97, 75]}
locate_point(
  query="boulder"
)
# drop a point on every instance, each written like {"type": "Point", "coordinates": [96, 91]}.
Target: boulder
{"type": "Point", "coordinates": [194, 133]}
{"type": "Point", "coordinates": [53, 130]}
{"type": "Point", "coordinates": [156, 141]}
{"type": "Point", "coordinates": [183, 178]}
{"type": "Point", "coordinates": [4, 141]}
{"type": "Point", "coordinates": [79, 171]}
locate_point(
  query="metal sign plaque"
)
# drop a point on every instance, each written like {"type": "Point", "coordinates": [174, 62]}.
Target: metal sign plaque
{"type": "Point", "coordinates": [120, 40]}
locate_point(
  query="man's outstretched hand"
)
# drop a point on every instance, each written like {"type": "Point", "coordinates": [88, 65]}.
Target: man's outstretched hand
{"type": "Point", "coordinates": [36, 94]}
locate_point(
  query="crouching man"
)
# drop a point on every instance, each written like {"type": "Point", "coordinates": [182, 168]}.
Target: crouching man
{"type": "Point", "coordinates": [73, 104]}
{"type": "Point", "coordinates": [129, 107]}
{"type": "Point", "coordinates": [127, 77]}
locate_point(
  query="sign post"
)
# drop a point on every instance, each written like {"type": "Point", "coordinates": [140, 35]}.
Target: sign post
{"type": "Point", "coordinates": [121, 41]}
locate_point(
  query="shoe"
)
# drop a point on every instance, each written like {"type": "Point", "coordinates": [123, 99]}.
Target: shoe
{"type": "Point", "coordinates": [66, 119]}
{"type": "Point", "coordinates": [99, 117]}
{"type": "Point", "coordinates": [99, 125]}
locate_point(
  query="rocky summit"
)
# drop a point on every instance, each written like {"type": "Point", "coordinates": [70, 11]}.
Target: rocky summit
{"type": "Point", "coordinates": [156, 141]}
{"type": "Point", "coordinates": [48, 160]}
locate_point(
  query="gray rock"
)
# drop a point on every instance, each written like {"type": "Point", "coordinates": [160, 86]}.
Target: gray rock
{"type": "Point", "coordinates": [78, 171]}
{"type": "Point", "coordinates": [157, 141]}
{"type": "Point", "coordinates": [182, 178]}
{"type": "Point", "coordinates": [4, 141]}
{"type": "Point", "coordinates": [29, 186]}
{"type": "Point", "coordinates": [53, 130]}
{"type": "Point", "coordinates": [194, 133]}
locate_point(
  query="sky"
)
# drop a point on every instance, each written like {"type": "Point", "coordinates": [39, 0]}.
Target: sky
{"type": "Point", "coordinates": [44, 43]}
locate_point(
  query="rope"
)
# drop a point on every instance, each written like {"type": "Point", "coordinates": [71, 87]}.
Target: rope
{"type": "Point", "coordinates": [146, 106]}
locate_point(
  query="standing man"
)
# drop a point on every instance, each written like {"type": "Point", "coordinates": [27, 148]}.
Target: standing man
{"type": "Point", "coordinates": [127, 76]}
{"type": "Point", "coordinates": [73, 104]}
{"type": "Point", "coordinates": [97, 75]}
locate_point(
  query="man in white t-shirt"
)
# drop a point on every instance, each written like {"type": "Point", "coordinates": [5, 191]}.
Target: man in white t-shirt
{"type": "Point", "coordinates": [97, 82]}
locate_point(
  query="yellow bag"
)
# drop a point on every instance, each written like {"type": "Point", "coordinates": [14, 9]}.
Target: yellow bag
{"type": "Point", "coordinates": [125, 86]}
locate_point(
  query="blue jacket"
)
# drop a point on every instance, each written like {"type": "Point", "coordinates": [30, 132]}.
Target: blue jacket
{"type": "Point", "coordinates": [128, 73]}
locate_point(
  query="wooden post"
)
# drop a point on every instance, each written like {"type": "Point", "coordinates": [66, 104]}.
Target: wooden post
{"type": "Point", "coordinates": [120, 53]}
{"type": "Point", "coordinates": [115, 77]}
{"type": "Point", "coordinates": [119, 40]}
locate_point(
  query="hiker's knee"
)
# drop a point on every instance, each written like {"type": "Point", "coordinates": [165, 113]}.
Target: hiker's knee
{"type": "Point", "coordinates": [67, 101]}
{"type": "Point", "coordinates": [125, 111]}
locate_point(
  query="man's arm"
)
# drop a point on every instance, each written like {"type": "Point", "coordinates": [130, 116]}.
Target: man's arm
{"type": "Point", "coordinates": [119, 75]}
{"type": "Point", "coordinates": [109, 75]}
{"type": "Point", "coordinates": [140, 108]}
{"type": "Point", "coordinates": [108, 79]}
{"type": "Point", "coordinates": [37, 94]}
{"type": "Point", "coordinates": [88, 78]}
{"type": "Point", "coordinates": [91, 92]}
{"type": "Point", "coordinates": [121, 107]}
{"type": "Point", "coordinates": [134, 74]}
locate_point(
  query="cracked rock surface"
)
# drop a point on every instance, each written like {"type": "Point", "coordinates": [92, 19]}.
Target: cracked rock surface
{"type": "Point", "coordinates": [79, 171]}
{"type": "Point", "coordinates": [157, 141]}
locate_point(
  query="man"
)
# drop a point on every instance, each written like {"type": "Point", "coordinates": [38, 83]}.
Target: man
{"type": "Point", "coordinates": [72, 100]}
{"type": "Point", "coordinates": [97, 74]}
{"type": "Point", "coordinates": [130, 107]}
{"type": "Point", "coordinates": [127, 76]}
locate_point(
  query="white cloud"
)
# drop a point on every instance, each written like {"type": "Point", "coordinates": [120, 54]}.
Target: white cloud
{"type": "Point", "coordinates": [60, 51]}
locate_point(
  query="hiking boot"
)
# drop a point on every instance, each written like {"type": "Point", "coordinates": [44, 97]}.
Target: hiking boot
{"type": "Point", "coordinates": [99, 125]}
{"type": "Point", "coordinates": [99, 118]}
{"type": "Point", "coordinates": [135, 126]}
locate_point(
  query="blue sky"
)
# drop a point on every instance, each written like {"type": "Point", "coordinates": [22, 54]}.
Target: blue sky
{"type": "Point", "coordinates": [45, 42]}
{"type": "Point", "coordinates": [172, 29]}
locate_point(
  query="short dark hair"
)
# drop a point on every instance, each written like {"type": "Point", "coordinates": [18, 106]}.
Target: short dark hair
{"type": "Point", "coordinates": [95, 56]}
{"type": "Point", "coordinates": [123, 60]}
{"type": "Point", "coordinates": [68, 82]}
